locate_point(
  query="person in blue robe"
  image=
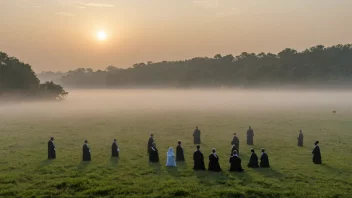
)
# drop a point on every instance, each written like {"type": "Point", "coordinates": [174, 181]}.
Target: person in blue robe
{"type": "Point", "coordinates": [170, 158]}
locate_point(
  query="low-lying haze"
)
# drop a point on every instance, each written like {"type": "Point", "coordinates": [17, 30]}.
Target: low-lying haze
{"type": "Point", "coordinates": [90, 102]}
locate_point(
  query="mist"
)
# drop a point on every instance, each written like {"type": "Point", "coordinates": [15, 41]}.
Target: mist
{"type": "Point", "coordinates": [98, 102]}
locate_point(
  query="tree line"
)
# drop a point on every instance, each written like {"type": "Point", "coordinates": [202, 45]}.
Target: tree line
{"type": "Point", "coordinates": [18, 80]}
{"type": "Point", "coordinates": [318, 65]}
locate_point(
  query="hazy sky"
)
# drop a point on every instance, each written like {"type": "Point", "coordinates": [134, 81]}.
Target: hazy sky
{"type": "Point", "coordinates": [60, 35]}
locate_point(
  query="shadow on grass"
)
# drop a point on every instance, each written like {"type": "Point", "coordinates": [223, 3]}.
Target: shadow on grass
{"type": "Point", "coordinates": [211, 178]}
{"type": "Point", "coordinates": [155, 166]}
{"type": "Point", "coordinates": [45, 163]}
{"type": "Point", "coordinates": [83, 165]}
{"type": "Point", "coordinates": [182, 165]}
{"type": "Point", "coordinates": [242, 175]}
{"type": "Point", "coordinates": [268, 172]}
{"type": "Point", "coordinates": [327, 166]}
{"type": "Point", "coordinates": [114, 161]}
{"type": "Point", "coordinates": [173, 171]}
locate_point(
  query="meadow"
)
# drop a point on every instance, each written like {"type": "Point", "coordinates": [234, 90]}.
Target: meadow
{"type": "Point", "coordinates": [130, 117]}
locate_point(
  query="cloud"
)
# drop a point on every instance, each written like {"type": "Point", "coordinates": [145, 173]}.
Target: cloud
{"type": "Point", "coordinates": [37, 6]}
{"type": "Point", "coordinates": [207, 4]}
{"type": "Point", "coordinates": [66, 14]}
{"type": "Point", "coordinates": [97, 5]}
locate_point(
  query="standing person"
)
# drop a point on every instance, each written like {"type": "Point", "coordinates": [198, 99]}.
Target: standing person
{"type": "Point", "coordinates": [51, 149]}
{"type": "Point", "coordinates": [253, 160]}
{"type": "Point", "coordinates": [236, 141]}
{"type": "Point", "coordinates": [86, 151]}
{"type": "Point", "coordinates": [235, 162]}
{"type": "Point", "coordinates": [316, 153]}
{"type": "Point", "coordinates": [264, 160]}
{"type": "Point", "coordinates": [150, 142]}
{"type": "Point", "coordinates": [154, 153]}
{"type": "Point", "coordinates": [179, 153]}
{"type": "Point", "coordinates": [198, 159]}
{"type": "Point", "coordinates": [214, 162]}
{"type": "Point", "coordinates": [300, 138]}
{"type": "Point", "coordinates": [196, 136]}
{"type": "Point", "coordinates": [115, 149]}
{"type": "Point", "coordinates": [250, 134]}
{"type": "Point", "coordinates": [170, 158]}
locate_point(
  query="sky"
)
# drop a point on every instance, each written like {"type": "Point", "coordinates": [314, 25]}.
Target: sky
{"type": "Point", "coordinates": [59, 35]}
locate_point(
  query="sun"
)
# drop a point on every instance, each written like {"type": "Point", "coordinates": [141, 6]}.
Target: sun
{"type": "Point", "coordinates": [101, 36]}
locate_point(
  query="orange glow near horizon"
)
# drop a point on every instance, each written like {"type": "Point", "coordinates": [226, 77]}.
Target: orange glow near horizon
{"type": "Point", "coordinates": [65, 34]}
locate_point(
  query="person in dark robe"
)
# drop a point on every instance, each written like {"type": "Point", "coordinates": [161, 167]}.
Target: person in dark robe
{"type": "Point", "coordinates": [153, 154]}
{"type": "Point", "coordinates": [250, 134]}
{"type": "Point", "coordinates": [198, 159]}
{"type": "Point", "coordinates": [264, 160]}
{"type": "Point", "coordinates": [179, 153]}
{"type": "Point", "coordinates": [234, 148]}
{"type": "Point", "coordinates": [316, 154]}
{"type": "Point", "coordinates": [214, 162]}
{"type": "Point", "coordinates": [86, 152]}
{"type": "Point", "coordinates": [150, 142]}
{"type": "Point", "coordinates": [236, 141]}
{"type": "Point", "coordinates": [196, 136]}
{"type": "Point", "coordinates": [51, 149]}
{"type": "Point", "coordinates": [253, 160]}
{"type": "Point", "coordinates": [235, 162]}
{"type": "Point", "coordinates": [300, 138]}
{"type": "Point", "coordinates": [115, 149]}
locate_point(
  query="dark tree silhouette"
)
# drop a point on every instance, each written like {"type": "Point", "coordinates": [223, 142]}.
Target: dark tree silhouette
{"type": "Point", "coordinates": [18, 79]}
{"type": "Point", "coordinates": [318, 65]}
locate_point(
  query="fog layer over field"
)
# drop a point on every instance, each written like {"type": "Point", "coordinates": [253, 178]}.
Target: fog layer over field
{"type": "Point", "coordinates": [87, 102]}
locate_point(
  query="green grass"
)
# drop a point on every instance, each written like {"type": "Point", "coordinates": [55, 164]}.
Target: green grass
{"type": "Point", "coordinates": [25, 172]}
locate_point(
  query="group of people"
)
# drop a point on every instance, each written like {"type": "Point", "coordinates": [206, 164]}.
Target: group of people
{"type": "Point", "coordinates": [198, 157]}
{"type": "Point", "coordinates": [235, 141]}
{"type": "Point", "coordinates": [316, 151]}
{"type": "Point", "coordinates": [86, 150]}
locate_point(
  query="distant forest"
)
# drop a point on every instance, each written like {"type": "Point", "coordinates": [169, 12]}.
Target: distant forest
{"type": "Point", "coordinates": [18, 81]}
{"type": "Point", "coordinates": [318, 65]}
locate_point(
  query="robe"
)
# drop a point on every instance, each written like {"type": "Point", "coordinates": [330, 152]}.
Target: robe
{"type": "Point", "coordinates": [170, 158]}
{"type": "Point", "coordinates": [214, 163]}
{"type": "Point", "coordinates": [250, 135]}
{"type": "Point", "coordinates": [86, 153]}
{"type": "Point", "coordinates": [264, 161]}
{"type": "Point", "coordinates": [150, 143]}
{"type": "Point", "coordinates": [196, 136]}
{"type": "Point", "coordinates": [316, 155]}
{"type": "Point", "coordinates": [179, 154]}
{"type": "Point", "coordinates": [51, 150]}
{"type": "Point", "coordinates": [114, 150]}
{"type": "Point", "coordinates": [235, 162]}
{"type": "Point", "coordinates": [300, 139]}
{"type": "Point", "coordinates": [236, 141]}
{"type": "Point", "coordinates": [153, 154]}
{"type": "Point", "coordinates": [253, 161]}
{"type": "Point", "coordinates": [198, 159]}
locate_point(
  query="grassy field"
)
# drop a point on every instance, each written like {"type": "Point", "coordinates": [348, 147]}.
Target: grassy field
{"type": "Point", "coordinates": [25, 172]}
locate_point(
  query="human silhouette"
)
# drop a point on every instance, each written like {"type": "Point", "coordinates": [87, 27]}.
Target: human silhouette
{"type": "Point", "coordinates": [250, 134]}
{"type": "Point", "coordinates": [51, 149]}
